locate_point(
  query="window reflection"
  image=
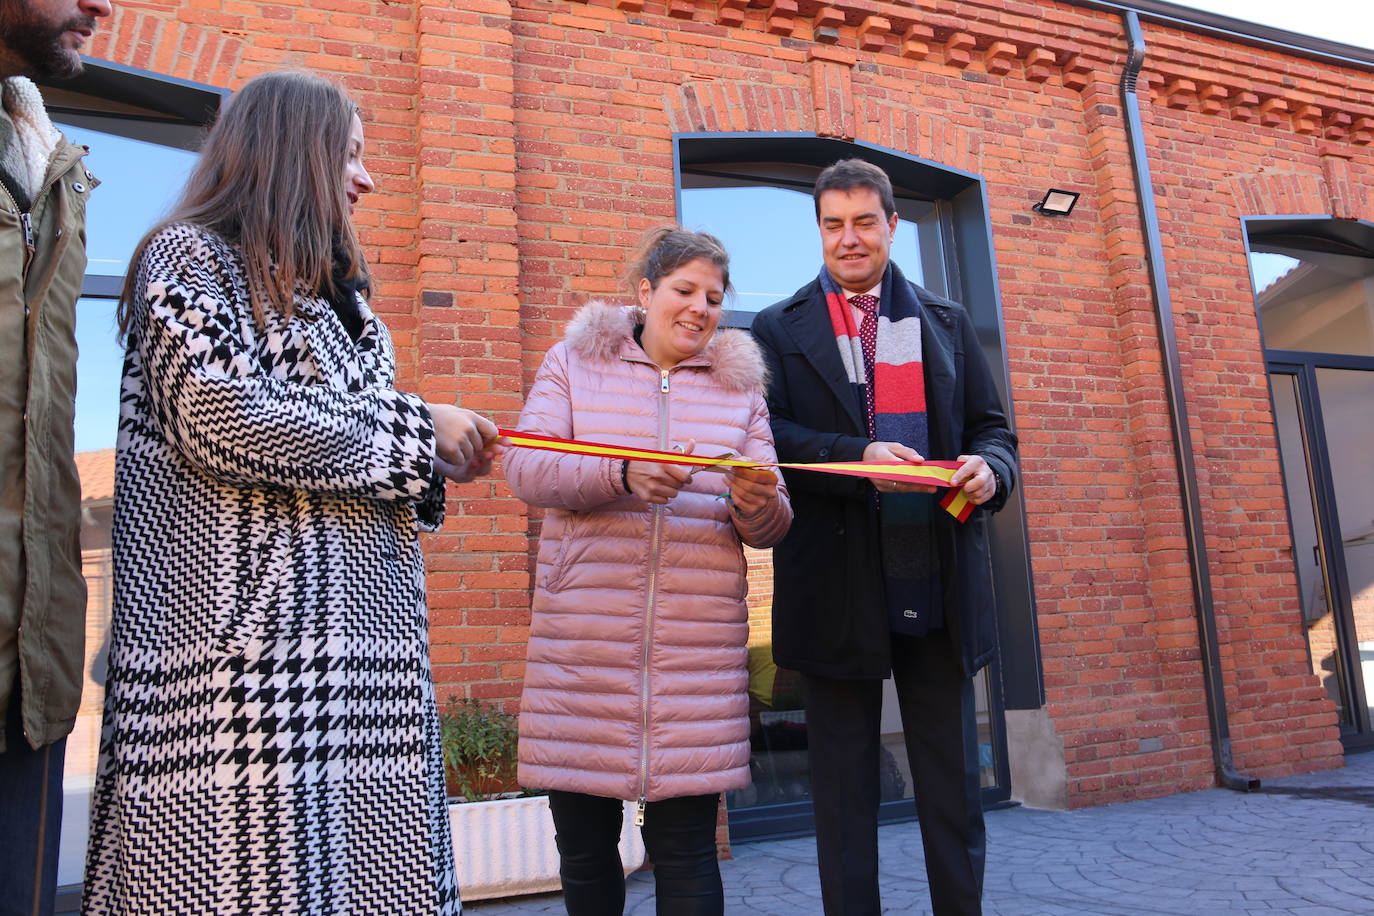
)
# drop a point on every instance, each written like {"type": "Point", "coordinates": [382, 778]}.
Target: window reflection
{"type": "Point", "coordinates": [1315, 300]}
{"type": "Point", "coordinates": [139, 182]}
{"type": "Point", "coordinates": [1346, 396]}
{"type": "Point", "coordinates": [767, 221]}
{"type": "Point", "coordinates": [97, 374]}
{"type": "Point", "coordinates": [1318, 611]}
{"type": "Point", "coordinates": [97, 405]}
{"type": "Point", "coordinates": [1314, 287]}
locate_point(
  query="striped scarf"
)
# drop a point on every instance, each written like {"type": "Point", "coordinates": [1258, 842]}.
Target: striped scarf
{"type": "Point", "coordinates": [896, 412]}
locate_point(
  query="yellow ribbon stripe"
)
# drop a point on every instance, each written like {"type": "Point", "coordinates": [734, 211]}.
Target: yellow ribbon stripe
{"type": "Point", "coordinates": [576, 447]}
{"type": "Point", "coordinates": [931, 473]}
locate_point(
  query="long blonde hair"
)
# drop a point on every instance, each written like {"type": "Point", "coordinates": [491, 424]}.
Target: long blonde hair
{"type": "Point", "coordinates": [270, 180]}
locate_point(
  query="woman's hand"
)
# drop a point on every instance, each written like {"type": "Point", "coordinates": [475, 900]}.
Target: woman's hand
{"type": "Point", "coordinates": [466, 442]}
{"type": "Point", "coordinates": [654, 482]}
{"type": "Point", "coordinates": [751, 490]}
{"type": "Point", "coordinates": [478, 466]}
{"type": "Point", "coordinates": [461, 435]}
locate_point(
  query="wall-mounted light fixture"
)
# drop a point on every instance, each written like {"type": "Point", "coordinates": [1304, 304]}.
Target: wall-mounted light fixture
{"type": "Point", "coordinates": [1057, 202]}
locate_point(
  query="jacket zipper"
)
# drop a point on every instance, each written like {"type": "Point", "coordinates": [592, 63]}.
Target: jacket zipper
{"type": "Point", "coordinates": [26, 220]}
{"type": "Point", "coordinates": [655, 547]}
{"type": "Point", "coordinates": [26, 216]}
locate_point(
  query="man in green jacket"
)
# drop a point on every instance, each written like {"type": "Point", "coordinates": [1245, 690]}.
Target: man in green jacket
{"type": "Point", "coordinates": [43, 191]}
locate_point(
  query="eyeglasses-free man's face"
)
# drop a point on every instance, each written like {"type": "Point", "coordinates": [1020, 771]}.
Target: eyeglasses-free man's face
{"type": "Point", "coordinates": [856, 237]}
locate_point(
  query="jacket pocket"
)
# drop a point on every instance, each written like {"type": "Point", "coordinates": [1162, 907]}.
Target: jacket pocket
{"type": "Point", "coordinates": [558, 564]}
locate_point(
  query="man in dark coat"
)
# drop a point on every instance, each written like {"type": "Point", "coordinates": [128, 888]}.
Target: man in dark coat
{"type": "Point", "coordinates": [875, 580]}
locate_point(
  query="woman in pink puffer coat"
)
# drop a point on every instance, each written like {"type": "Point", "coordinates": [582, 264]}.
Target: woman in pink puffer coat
{"type": "Point", "coordinates": [636, 683]}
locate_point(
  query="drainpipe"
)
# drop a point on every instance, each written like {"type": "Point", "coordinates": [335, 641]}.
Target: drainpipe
{"type": "Point", "coordinates": [1178, 416]}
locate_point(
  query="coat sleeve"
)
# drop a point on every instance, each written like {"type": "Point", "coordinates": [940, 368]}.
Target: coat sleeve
{"type": "Point", "coordinates": [232, 421]}
{"type": "Point", "coordinates": [551, 479]}
{"type": "Point", "coordinates": [986, 431]}
{"type": "Point", "coordinates": [432, 506]}
{"type": "Point", "coordinates": [794, 440]}
{"type": "Point", "coordinates": [769, 526]}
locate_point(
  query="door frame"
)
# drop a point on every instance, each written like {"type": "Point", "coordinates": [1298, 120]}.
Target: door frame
{"type": "Point", "coordinates": [1303, 367]}
{"type": "Point", "coordinates": [1015, 680]}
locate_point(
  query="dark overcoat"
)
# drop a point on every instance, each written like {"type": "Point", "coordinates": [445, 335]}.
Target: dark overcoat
{"type": "Point", "coordinates": [829, 611]}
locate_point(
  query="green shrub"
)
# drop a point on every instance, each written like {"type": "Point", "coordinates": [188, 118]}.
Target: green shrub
{"type": "Point", "coordinates": [479, 743]}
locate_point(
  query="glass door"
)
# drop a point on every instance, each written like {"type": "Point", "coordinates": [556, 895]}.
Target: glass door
{"type": "Point", "coordinates": [764, 214]}
{"type": "Point", "coordinates": [1326, 439]}
{"type": "Point", "coordinates": [1346, 401]}
{"type": "Point", "coordinates": [1314, 294]}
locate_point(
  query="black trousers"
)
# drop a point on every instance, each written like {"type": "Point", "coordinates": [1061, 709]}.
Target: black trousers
{"type": "Point", "coordinates": [30, 820]}
{"type": "Point", "coordinates": [842, 726]}
{"type": "Point", "coordinates": [679, 834]}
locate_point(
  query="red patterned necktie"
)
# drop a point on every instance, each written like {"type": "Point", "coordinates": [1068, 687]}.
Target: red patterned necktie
{"type": "Point", "coordinates": [868, 340]}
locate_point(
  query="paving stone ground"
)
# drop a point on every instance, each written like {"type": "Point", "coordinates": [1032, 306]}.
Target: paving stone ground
{"type": "Point", "coordinates": [1302, 846]}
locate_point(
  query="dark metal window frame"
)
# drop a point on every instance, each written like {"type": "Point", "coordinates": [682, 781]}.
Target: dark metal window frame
{"type": "Point", "coordinates": [182, 104]}
{"type": "Point", "coordinates": [1320, 232]}
{"type": "Point", "coordinates": [179, 100]}
{"type": "Point", "coordinates": [1016, 681]}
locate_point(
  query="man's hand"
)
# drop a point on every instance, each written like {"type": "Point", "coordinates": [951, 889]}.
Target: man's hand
{"type": "Point", "coordinates": [976, 478]}
{"type": "Point", "coordinates": [462, 436]}
{"type": "Point", "coordinates": [896, 451]}
{"type": "Point", "coordinates": [751, 490]}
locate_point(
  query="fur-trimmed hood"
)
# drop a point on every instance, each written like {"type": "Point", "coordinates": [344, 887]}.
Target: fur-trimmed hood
{"type": "Point", "coordinates": [600, 331]}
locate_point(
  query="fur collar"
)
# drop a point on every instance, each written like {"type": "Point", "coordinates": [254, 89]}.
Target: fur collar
{"type": "Point", "coordinates": [34, 139]}
{"type": "Point", "coordinates": [599, 330]}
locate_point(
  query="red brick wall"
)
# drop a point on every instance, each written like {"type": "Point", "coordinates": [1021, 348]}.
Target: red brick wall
{"type": "Point", "coordinates": [521, 148]}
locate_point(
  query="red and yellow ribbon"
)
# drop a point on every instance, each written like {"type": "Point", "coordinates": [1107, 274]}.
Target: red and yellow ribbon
{"type": "Point", "coordinates": [931, 473]}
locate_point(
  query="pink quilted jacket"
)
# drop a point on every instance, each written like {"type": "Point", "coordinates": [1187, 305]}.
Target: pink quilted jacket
{"type": "Point", "coordinates": [636, 682]}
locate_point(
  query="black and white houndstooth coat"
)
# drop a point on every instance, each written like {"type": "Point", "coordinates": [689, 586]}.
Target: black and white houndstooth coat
{"type": "Point", "coordinates": [270, 742]}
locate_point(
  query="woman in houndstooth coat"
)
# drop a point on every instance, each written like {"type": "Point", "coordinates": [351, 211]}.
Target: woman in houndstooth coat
{"type": "Point", "coordinates": [270, 740]}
